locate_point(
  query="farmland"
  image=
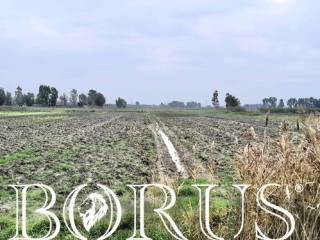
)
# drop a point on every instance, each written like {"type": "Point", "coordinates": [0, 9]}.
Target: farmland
{"type": "Point", "coordinates": [68, 147]}
{"type": "Point", "coordinates": [115, 146]}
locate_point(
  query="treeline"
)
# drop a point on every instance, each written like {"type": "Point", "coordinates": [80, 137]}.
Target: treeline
{"type": "Point", "coordinates": [48, 96]}
{"type": "Point", "coordinates": [292, 103]}
{"type": "Point", "coordinates": [270, 103]}
{"type": "Point", "coordinates": [19, 98]}
{"type": "Point", "coordinates": [179, 104]}
{"type": "Point", "coordinates": [231, 102]}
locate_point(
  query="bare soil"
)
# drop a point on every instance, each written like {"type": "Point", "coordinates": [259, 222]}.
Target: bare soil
{"type": "Point", "coordinates": [117, 148]}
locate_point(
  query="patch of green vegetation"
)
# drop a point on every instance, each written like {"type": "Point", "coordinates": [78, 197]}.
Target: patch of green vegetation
{"type": "Point", "coordinates": [32, 113]}
{"type": "Point", "coordinates": [39, 228]}
{"type": "Point", "coordinates": [221, 203]}
{"type": "Point", "coordinates": [2, 180]}
{"type": "Point", "coordinates": [36, 228]}
{"type": "Point", "coordinates": [63, 167]}
{"type": "Point", "coordinates": [220, 113]}
{"type": "Point", "coordinates": [62, 154]}
{"type": "Point", "coordinates": [226, 174]}
{"type": "Point", "coordinates": [20, 155]}
{"type": "Point", "coordinates": [7, 227]}
{"type": "Point", "coordinates": [187, 191]}
{"type": "Point", "coordinates": [189, 182]}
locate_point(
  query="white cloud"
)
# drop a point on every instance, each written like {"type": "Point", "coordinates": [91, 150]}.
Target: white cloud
{"type": "Point", "coordinates": [206, 42]}
{"type": "Point", "coordinates": [38, 33]}
{"type": "Point", "coordinates": [287, 2]}
{"type": "Point", "coordinates": [250, 30]}
{"type": "Point", "coordinates": [255, 45]}
{"type": "Point", "coordinates": [160, 53]}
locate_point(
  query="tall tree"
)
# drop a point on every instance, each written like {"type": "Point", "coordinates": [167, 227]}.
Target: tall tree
{"type": "Point", "coordinates": [273, 102]}
{"type": "Point", "coordinates": [317, 103]}
{"type": "Point", "coordinates": [270, 102]}
{"type": "Point", "coordinates": [215, 99]}
{"type": "Point", "coordinates": [2, 96]}
{"type": "Point", "coordinates": [8, 99]}
{"type": "Point", "coordinates": [281, 104]}
{"type": "Point", "coordinates": [121, 103]}
{"type": "Point", "coordinates": [74, 97]}
{"type": "Point", "coordinates": [231, 101]}
{"type": "Point", "coordinates": [96, 98]}
{"type": "Point", "coordinates": [53, 96]}
{"type": "Point", "coordinates": [302, 102]}
{"type": "Point", "coordinates": [44, 95]}
{"type": "Point", "coordinates": [99, 99]}
{"type": "Point", "coordinates": [18, 96]}
{"type": "Point", "coordinates": [83, 100]}
{"type": "Point", "coordinates": [92, 96]}
{"type": "Point", "coordinates": [265, 102]}
{"type": "Point", "coordinates": [29, 99]}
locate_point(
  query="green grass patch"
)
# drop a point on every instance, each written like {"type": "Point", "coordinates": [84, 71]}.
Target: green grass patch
{"type": "Point", "coordinates": [32, 113]}
{"type": "Point", "coordinates": [7, 227]}
{"type": "Point", "coordinates": [64, 167]}
{"type": "Point", "coordinates": [21, 155]}
{"type": "Point", "coordinates": [62, 154]}
{"type": "Point", "coordinates": [221, 113]}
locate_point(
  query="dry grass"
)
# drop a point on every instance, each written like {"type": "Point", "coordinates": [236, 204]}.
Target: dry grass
{"type": "Point", "coordinates": [291, 160]}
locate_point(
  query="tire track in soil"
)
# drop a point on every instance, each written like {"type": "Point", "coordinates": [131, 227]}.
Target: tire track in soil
{"type": "Point", "coordinates": [221, 138]}
{"type": "Point", "coordinates": [196, 169]}
{"type": "Point", "coordinates": [221, 141]}
{"type": "Point", "coordinates": [168, 160]}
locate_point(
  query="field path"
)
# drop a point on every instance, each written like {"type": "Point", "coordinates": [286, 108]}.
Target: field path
{"type": "Point", "coordinates": [170, 148]}
{"type": "Point", "coordinates": [169, 162]}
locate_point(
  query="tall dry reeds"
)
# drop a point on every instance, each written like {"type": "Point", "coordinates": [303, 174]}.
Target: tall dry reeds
{"type": "Point", "coordinates": [292, 160]}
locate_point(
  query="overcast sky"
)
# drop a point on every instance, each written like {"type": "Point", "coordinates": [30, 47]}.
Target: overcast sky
{"type": "Point", "coordinates": [156, 51]}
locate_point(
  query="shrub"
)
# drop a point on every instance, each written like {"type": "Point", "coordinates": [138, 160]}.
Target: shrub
{"type": "Point", "coordinates": [232, 101]}
{"type": "Point", "coordinates": [96, 98]}
{"type": "Point", "coordinates": [121, 103]}
{"type": "Point", "coordinates": [99, 100]}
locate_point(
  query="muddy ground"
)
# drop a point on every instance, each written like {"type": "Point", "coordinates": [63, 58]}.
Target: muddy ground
{"type": "Point", "coordinates": [64, 148]}
{"type": "Point", "coordinates": [117, 148]}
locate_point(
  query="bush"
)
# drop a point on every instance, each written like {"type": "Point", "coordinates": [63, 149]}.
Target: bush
{"type": "Point", "coordinates": [99, 100]}
{"type": "Point", "coordinates": [95, 98]}
{"type": "Point", "coordinates": [232, 101]}
{"type": "Point", "coordinates": [121, 103]}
